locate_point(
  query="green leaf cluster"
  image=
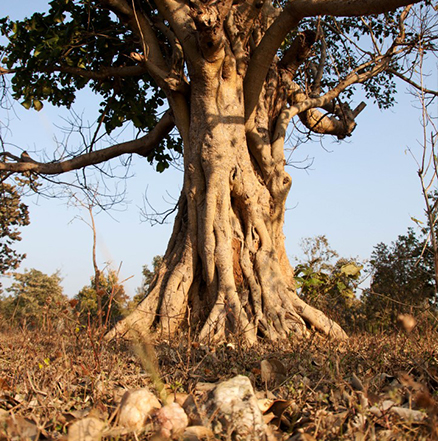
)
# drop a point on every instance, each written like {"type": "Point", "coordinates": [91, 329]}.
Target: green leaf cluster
{"type": "Point", "coordinates": [13, 215]}
{"type": "Point", "coordinates": [402, 279]}
{"type": "Point", "coordinates": [328, 282]}
{"type": "Point", "coordinates": [54, 55]}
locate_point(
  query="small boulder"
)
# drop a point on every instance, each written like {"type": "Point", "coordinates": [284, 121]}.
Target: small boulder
{"type": "Point", "coordinates": [136, 407]}
{"type": "Point", "coordinates": [87, 429]}
{"type": "Point", "coordinates": [172, 421]}
{"type": "Point", "coordinates": [234, 411]}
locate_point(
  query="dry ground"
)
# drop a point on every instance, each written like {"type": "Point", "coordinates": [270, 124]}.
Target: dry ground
{"type": "Point", "coordinates": [352, 391]}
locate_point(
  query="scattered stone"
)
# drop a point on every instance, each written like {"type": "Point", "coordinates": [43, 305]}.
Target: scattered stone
{"type": "Point", "coordinates": [233, 410]}
{"type": "Point", "coordinates": [87, 429]}
{"type": "Point", "coordinates": [136, 407]}
{"type": "Point", "coordinates": [172, 421]}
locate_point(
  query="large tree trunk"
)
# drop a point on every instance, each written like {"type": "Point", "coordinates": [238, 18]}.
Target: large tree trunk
{"type": "Point", "coordinates": [234, 73]}
{"type": "Point", "coordinates": [226, 269]}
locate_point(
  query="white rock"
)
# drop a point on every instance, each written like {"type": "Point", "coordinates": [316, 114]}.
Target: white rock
{"type": "Point", "coordinates": [135, 408]}
{"type": "Point", "coordinates": [87, 429]}
{"type": "Point", "coordinates": [235, 413]}
{"type": "Point", "coordinates": [172, 420]}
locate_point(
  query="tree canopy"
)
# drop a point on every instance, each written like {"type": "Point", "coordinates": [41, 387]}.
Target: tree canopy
{"type": "Point", "coordinates": [133, 55]}
{"type": "Point", "coordinates": [13, 215]}
{"type": "Point", "coordinates": [35, 299]}
{"type": "Point", "coordinates": [402, 279]}
{"type": "Point", "coordinates": [113, 302]}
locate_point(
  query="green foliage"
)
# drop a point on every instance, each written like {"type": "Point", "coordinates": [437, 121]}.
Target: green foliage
{"type": "Point", "coordinates": [113, 300]}
{"type": "Point", "coordinates": [52, 53]}
{"type": "Point", "coordinates": [13, 215]}
{"type": "Point", "coordinates": [402, 280]}
{"type": "Point", "coordinates": [328, 282]}
{"type": "Point", "coordinates": [35, 299]}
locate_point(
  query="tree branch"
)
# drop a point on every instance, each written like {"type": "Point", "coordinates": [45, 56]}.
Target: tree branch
{"type": "Point", "coordinates": [177, 13]}
{"type": "Point", "coordinates": [140, 25]}
{"type": "Point", "coordinates": [102, 74]}
{"type": "Point", "coordinates": [239, 26]}
{"type": "Point", "coordinates": [262, 58]}
{"type": "Point", "coordinates": [289, 18]}
{"type": "Point", "coordinates": [412, 83]}
{"type": "Point", "coordinates": [142, 146]}
{"type": "Point", "coordinates": [314, 120]}
{"type": "Point", "coordinates": [209, 20]}
{"type": "Point", "coordinates": [298, 51]}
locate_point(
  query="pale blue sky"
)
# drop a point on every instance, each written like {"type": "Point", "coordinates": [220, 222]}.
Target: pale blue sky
{"type": "Point", "coordinates": [362, 192]}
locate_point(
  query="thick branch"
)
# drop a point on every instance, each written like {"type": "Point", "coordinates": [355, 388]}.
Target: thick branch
{"type": "Point", "coordinates": [102, 74]}
{"type": "Point", "coordinates": [142, 146]}
{"type": "Point", "coordinates": [177, 13]}
{"type": "Point", "coordinates": [262, 58]}
{"type": "Point", "coordinates": [209, 21]}
{"type": "Point", "coordinates": [239, 26]}
{"type": "Point", "coordinates": [298, 51]}
{"type": "Point", "coordinates": [304, 104]}
{"type": "Point", "coordinates": [341, 125]}
{"type": "Point", "coordinates": [141, 27]}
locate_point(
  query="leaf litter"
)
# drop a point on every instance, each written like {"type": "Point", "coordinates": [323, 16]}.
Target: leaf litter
{"type": "Point", "coordinates": [58, 387]}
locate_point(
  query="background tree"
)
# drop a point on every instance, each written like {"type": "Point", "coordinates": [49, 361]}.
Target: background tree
{"type": "Point", "coordinates": [234, 74]}
{"type": "Point", "coordinates": [35, 299]}
{"type": "Point", "coordinates": [402, 280]}
{"type": "Point", "coordinates": [113, 300]}
{"type": "Point", "coordinates": [328, 282]}
{"type": "Point", "coordinates": [13, 215]}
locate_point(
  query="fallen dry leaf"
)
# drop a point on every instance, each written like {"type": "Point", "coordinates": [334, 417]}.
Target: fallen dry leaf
{"type": "Point", "coordinates": [17, 427]}
{"type": "Point", "coordinates": [198, 433]}
{"type": "Point", "coordinates": [273, 372]}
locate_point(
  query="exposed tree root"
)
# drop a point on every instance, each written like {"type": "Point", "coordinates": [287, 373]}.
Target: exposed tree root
{"type": "Point", "coordinates": [247, 295]}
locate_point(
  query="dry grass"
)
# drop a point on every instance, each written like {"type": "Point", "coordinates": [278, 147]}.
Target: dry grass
{"type": "Point", "coordinates": [49, 381]}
